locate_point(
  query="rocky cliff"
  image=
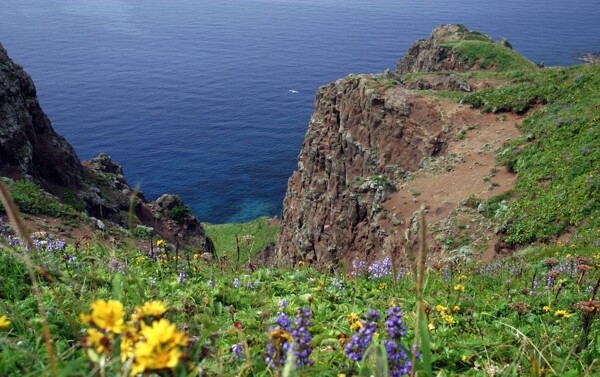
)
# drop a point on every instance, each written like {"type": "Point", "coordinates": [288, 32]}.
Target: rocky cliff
{"type": "Point", "coordinates": [31, 149]}
{"type": "Point", "coordinates": [369, 141]}
{"type": "Point", "coordinates": [29, 146]}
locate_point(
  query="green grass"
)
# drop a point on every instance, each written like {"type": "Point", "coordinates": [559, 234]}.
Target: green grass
{"type": "Point", "coordinates": [252, 237]}
{"type": "Point", "coordinates": [558, 157]}
{"type": "Point", "coordinates": [31, 199]}
{"type": "Point", "coordinates": [489, 55]}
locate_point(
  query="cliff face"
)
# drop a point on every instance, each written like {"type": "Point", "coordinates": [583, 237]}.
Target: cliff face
{"type": "Point", "coordinates": [29, 146]}
{"type": "Point", "coordinates": [360, 137]}
{"type": "Point", "coordinates": [31, 149]}
{"type": "Point", "coordinates": [368, 139]}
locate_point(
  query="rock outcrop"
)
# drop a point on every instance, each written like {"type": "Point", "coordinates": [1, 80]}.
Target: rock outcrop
{"type": "Point", "coordinates": [366, 135]}
{"type": "Point", "coordinates": [361, 137]}
{"type": "Point", "coordinates": [29, 146]}
{"type": "Point", "coordinates": [31, 149]}
{"type": "Point", "coordinates": [434, 54]}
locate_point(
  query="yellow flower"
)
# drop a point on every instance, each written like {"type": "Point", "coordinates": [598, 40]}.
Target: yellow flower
{"type": "Point", "coordinates": [128, 341]}
{"type": "Point", "coordinates": [459, 288]}
{"type": "Point", "coordinates": [448, 319]}
{"type": "Point", "coordinates": [98, 340]}
{"type": "Point", "coordinates": [108, 315]}
{"type": "Point", "coordinates": [353, 317]}
{"type": "Point", "coordinates": [562, 314]}
{"type": "Point", "coordinates": [356, 325]}
{"type": "Point", "coordinates": [163, 332]}
{"type": "Point", "coordinates": [159, 347]}
{"type": "Point", "coordinates": [383, 286]}
{"type": "Point", "coordinates": [431, 326]}
{"type": "Point", "coordinates": [461, 277]}
{"type": "Point", "coordinates": [4, 322]}
{"type": "Point", "coordinates": [160, 243]}
{"type": "Point", "coordinates": [153, 357]}
{"type": "Point", "coordinates": [152, 309]}
{"type": "Point", "coordinates": [546, 308]}
{"type": "Point", "coordinates": [441, 309]}
{"type": "Point", "coordinates": [456, 309]}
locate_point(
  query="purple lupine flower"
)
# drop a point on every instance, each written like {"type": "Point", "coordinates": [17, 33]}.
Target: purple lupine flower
{"type": "Point", "coordinates": [238, 349]}
{"type": "Point", "coordinates": [115, 265]}
{"type": "Point", "coordinates": [534, 285]}
{"type": "Point", "coordinates": [398, 360]}
{"type": "Point", "coordinates": [359, 342]}
{"type": "Point", "coordinates": [279, 342]}
{"type": "Point", "coordinates": [277, 351]}
{"type": "Point", "coordinates": [379, 269]}
{"type": "Point", "coordinates": [38, 245]}
{"type": "Point", "coordinates": [302, 337]}
{"type": "Point", "coordinates": [237, 283]}
{"type": "Point", "coordinates": [338, 283]}
{"type": "Point", "coordinates": [57, 245]}
{"type": "Point", "coordinates": [283, 303]}
{"type": "Point", "coordinates": [284, 322]}
{"type": "Point", "coordinates": [446, 273]}
{"type": "Point", "coordinates": [358, 267]}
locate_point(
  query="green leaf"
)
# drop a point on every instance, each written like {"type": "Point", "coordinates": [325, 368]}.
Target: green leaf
{"type": "Point", "coordinates": [116, 287]}
{"type": "Point", "coordinates": [425, 345]}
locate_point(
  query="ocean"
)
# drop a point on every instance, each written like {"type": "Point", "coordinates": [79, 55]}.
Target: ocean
{"type": "Point", "coordinates": [210, 100]}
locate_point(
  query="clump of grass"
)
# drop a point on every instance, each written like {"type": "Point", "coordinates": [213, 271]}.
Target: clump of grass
{"type": "Point", "coordinates": [31, 199]}
{"type": "Point", "coordinates": [489, 55]}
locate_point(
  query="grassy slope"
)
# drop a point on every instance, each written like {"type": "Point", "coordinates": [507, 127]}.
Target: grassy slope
{"type": "Point", "coordinates": [252, 236]}
{"type": "Point", "coordinates": [558, 158]}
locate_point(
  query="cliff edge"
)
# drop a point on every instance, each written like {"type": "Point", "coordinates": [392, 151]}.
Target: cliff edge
{"type": "Point", "coordinates": [378, 147]}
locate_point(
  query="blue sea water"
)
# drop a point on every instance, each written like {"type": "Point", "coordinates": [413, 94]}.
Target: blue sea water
{"type": "Point", "coordinates": [210, 99]}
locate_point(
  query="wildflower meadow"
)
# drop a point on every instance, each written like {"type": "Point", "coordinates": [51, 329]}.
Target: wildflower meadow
{"type": "Point", "coordinates": [129, 311]}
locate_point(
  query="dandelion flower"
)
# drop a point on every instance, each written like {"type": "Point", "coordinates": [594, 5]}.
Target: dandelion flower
{"type": "Point", "coordinates": [108, 315]}
{"type": "Point", "coordinates": [562, 314]}
{"type": "Point", "coordinates": [456, 309]}
{"type": "Point", "coordinates": [160, 243]}
{"type": "Point", "coordinates": [459, 287]}
{"type": "Point", "coordinates": [546, 309]}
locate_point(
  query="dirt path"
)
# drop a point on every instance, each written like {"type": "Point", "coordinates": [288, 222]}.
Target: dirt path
{"type": "Point", "coordinates": [444, 183]}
